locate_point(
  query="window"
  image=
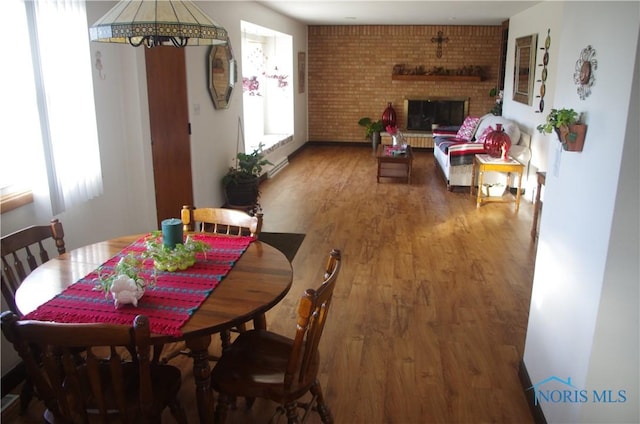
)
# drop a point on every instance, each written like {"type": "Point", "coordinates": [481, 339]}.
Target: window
{"type": "Point", "coordinates": [267, 86]}
{"type": "Point", "coordinates": [17, 111]}
{"type": "Point", "coordinates": [51, 111]}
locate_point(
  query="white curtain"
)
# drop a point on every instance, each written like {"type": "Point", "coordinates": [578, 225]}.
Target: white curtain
{"type": "Point", "coordinates": [62, 63]}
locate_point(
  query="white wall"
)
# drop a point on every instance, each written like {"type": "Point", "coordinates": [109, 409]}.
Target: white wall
{"type": "Point", "coordinates": [128, 203]}
{"type": "Point", "coordinates": [614, 342]}
{"type": "Point", "coordinates": [583, 320]}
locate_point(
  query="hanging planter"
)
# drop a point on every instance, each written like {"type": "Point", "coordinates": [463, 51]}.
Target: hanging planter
{"type": "Point", "coordinates": [565, 123]}
{"type": "Point", "coordinates": [572, 137]}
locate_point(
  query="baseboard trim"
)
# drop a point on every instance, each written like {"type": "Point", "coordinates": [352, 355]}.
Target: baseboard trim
{"type": "Point", "coordinates": [525, 382]}
{"type": "Point", "coordinates": [366, 144]}
{"type": "Point", "coordinates": [13, 378]}
{"type": "Point", "coordinates": [340, 143]}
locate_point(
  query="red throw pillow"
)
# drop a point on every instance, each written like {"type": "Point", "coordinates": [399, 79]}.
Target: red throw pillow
{"type": "Point", "coordinates": [489, 129]}
{"type": "Point", "coordinates": [468, 128]}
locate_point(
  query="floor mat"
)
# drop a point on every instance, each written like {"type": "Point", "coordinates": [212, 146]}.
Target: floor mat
{"type": "Point", "coordinates": [287, 243]}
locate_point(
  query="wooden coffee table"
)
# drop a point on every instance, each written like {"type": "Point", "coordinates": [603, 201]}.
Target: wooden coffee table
{"type": "Point", "coordinates": [394, 166]}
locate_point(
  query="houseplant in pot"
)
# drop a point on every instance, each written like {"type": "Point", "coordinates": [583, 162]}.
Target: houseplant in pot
{"type": "Point", "coordinates": [373, 129]}
{"type": "Point", "coordinates": [241, 180]}
{"type": "Point", "coordinates": [566, 124]}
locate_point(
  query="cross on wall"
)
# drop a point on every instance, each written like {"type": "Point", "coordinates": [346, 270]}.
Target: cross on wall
{"type": "Point", "coordinates": [439, 39]}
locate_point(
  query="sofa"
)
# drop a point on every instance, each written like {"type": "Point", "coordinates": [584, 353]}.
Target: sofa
{"type": "Point", "coordinates": [455, 148]}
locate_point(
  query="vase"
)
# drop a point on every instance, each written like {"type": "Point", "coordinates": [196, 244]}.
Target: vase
{"type": "Point", "coordinates": [375, 141]}
{"type": "Point", "coordinates": [389, 116]}
{"type": "Point", "coordinates": [497, 143]}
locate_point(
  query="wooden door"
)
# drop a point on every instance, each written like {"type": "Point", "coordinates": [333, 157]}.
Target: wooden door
{"type": "Point", "coordinates": [170, 139]}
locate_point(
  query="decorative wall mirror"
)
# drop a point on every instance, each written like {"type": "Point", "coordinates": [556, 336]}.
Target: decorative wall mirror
{"type": "Point", "coordinates": [525, 69]}
{"type": "Point", "coordinates": [222, 74]}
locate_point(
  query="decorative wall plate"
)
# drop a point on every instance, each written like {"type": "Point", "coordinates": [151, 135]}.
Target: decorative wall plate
{"type": "Point", "coordinates": [584, 76]}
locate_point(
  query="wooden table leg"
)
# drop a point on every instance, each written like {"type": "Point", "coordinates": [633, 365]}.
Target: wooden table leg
{"type": "Point", "coordinates": [479, 189]}
{"type": "Point", "coordinates": [260, 322]}
{"type": "Point", "coordinates": [473, 177]}
{"type": "Point", "coordinates": [202, 376]}
{"type": "Point", "coordinates": [519, 192]}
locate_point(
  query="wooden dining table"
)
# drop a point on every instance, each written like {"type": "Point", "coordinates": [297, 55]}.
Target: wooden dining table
{"type": "Point", "coordinates": [260, 278]}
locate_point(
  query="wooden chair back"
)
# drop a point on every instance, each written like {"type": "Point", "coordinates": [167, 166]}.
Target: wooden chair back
{"type": "Point", "coordinates": [19, 250]}
{"type": "Point", "coordinates": [313, 310]}
{"type": "Point", "coordinates": [264, 364]}
{"type": "Point", "coordinates": [73, 389]}
{"type": "Point", "coordinates": [221, 221]}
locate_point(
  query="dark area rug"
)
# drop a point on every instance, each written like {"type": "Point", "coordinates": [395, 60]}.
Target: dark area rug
{"type": "Point", "coordinates": [287, 243]}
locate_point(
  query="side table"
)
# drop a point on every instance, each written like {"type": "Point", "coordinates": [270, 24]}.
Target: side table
{"type": "Point", "coordinates": [542, 179]}
{"type": "Point", "coordinates": [485, 163]}
{"type": "Point", "coordinates": [394, 166]}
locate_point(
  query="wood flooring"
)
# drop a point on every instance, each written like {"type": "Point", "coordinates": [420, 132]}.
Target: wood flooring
{"type": "Point", "coordinates": [430, 310]}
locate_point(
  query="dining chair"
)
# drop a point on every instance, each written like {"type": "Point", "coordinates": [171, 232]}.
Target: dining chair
{"type": "Point", "coordinates": [263, 364]}
{"type": "Point", "coordinates": [221, 221]}
{"type": "Point", "coordinates": [108, 383]}
{"type": "Point", "coordinates": [19, 248]}
{"type": "Point", "coordinates": [22, 252]}
{"type": "Point", "coordinates": [231, 222]}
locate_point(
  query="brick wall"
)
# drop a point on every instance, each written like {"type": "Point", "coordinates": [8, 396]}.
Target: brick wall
{"type": "Point", "coordinates": [350, 71]}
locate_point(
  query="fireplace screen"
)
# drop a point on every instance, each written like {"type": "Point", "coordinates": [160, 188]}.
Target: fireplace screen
{"type": "Point", "coordinates": [422, 114]}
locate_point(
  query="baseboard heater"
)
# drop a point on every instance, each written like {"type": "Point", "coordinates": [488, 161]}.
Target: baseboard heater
{"type": "Point", "coordinates": [278, 167]}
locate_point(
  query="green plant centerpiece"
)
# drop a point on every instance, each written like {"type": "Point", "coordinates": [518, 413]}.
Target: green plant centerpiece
{"type": "Point", "coordinates": [180, 258]}
{"type": "Point", "coordinates": [127, 282]}
{"type": "Point", "coordinates": [241, 180]}
{"type": "Point", "coordinates": [566, 124]}
{"type": "Point", "coordinates": [371, 127]}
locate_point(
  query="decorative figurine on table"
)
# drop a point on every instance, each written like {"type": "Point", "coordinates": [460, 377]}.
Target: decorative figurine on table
{"type": "Point", "coordinates": [125, 290]}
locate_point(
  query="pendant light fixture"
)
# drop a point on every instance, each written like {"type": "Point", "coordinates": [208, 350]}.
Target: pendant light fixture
{"type": "Point", "coordinates": [157, 22]}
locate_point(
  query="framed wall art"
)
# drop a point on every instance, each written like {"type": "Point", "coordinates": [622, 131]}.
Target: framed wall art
{"type": "Point", "coordinates": [525, 66]}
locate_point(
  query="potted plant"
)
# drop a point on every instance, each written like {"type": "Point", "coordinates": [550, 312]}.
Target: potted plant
{"type": "Point", "coordinates": [497, 107]}
{"type": "Point", "coordinates": [241, 181]}
{"type": "Point", "coordinates": [565, 123]}
{"type": "Point", "coordinates": [373, 129]}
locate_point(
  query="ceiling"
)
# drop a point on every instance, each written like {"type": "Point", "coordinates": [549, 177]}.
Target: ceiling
{"type": "Point", "coordinates": [430, 12]}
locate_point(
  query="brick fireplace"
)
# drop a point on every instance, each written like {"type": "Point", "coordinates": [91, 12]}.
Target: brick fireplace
{"type": "Point", "coordinates": [421, 114]}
